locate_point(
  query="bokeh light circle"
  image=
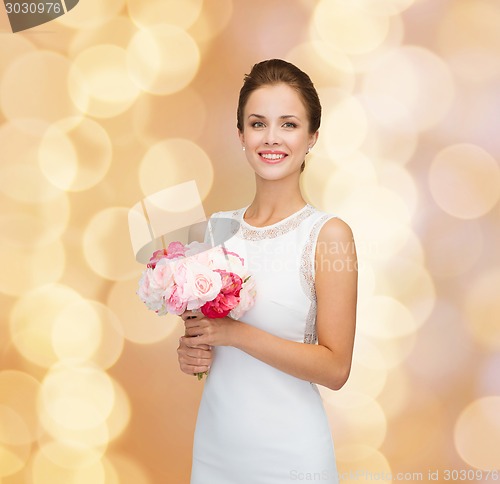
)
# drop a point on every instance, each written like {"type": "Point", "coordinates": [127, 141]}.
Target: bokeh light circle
{"type": "Point", "coordinates": [20, 97]}
{"type": "Point", "coordinates": [445, 238]}
{"type": "Point", "coordinates": [147, 14]}
{"type": "Point", "coordinates": [396, 393]}
{"type": "Point", "coordinates": [420, 81]}
{"type": "Point", "coordinates": [71, 454]}
{"type": "Point", "coordinates": [20, 176]}
{"type": "Point", "coordinates": [465, 181]}
{"type": "Point", "coordinates": [489, 380]}
{"type": "Point", "coordinates": [161, 117]}
{"type": "Point", "coordinates": [386, 318]}
{"type": "Point", "coordinates": [349, 27]}
{"type": "Point", "coordinates": [24, 269]}
{"type": "Point", "coordinates": [120, 415]}
{"type": "Point", "coordinates": [138, 324]}
{"type": "Point", "coordinates": [368, 374]}
{"type": "Point", "coordinates": [410, 283]}
{"type": "Point", "coordinates": [325, 64]}
{"type": "Point", "coordinates": [477, 433]}
{"type": "Point", "coordinates": [14, 47]}
{"type": "Point", "coordinates": [19, 391]}
{"type": "Point", "coordinates": [443, 366]}
{"type": "Point", "coordinates": [355, 421]}
{"type": "Point", "coordinates": [469, 39]}
{"type": "Point", "coordinates": [73, 156]}
{"type": "Point", "coordinates": [44, 470]}
{"type": "Point", "coordinates": [128, 470]}
{"type": "Point", "coordinates": [482, 309]}
{"type": "Point", "coordinates": [32, 320]}
{"type": "Point", "coordinates": [391, 132]}
{"type": "Point", "coordinates": [399, 180]}
{"type": "Point", "coordinates": [363, 464]}
{"type": "Point", "coordinates": [96, 437]}
{"type": "Point", "coordinates": [329, 183]}
{"type": "Point", "coordinates": [345, 127]}
{"type": "Point", "coordinates": [118, 31]}
{"type": "Point", "coordinates": [174, 161]}
{"type": "Point", "coordinates": [14, 442]}
{"type": "Point", "coordinates": [31, 225]}
{"type": "Point", "coordinates": [76, 333]}
{"type": "Point", "coordinates": [78, 397]}
{"type": "Point", "coordinates": [378, 216]}
{"type": "Point", "coordinates": [162, 59]}
{"type": "Point", "coordinates": [105, 248]}
{"type": "Point", "coordinates": [111, 343]}
{"type": "Point", "coordinates": [99, 81]}
{"type": "Point", "coordinates": [384, 7]}
{"type": "Point", "coordinates": [214, 18]}
{"type": "Point", "coordinates": [91, 14]}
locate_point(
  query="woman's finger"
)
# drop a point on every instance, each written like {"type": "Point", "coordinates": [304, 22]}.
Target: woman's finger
{"type": "Point", "coordinates": [196, 331]}
{"type": "Point", "coordinates": [186, 342]}
{"type": "Point", "coordinates": [193, 360]}
{"type": "Point", "coordinates": [192, 323]}
{"type": "Point", "coordinates": [192, 315]}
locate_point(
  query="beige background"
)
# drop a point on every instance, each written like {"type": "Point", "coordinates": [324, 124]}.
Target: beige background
{"type": "Point", "coordinates": [119, 99]}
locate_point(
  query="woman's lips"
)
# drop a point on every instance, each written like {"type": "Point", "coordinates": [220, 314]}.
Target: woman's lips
{"type": "Point", "coordinates": [272, 157]}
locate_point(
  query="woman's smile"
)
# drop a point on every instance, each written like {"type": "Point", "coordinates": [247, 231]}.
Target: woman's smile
{"type": "Point", "coordinates": [272, 157]}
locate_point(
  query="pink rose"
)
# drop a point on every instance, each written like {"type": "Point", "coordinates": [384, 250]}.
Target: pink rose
{"type": "Point", "coordinates": [161, 276]}
{"type": "Point", "coordinates": [179, 269]}
{"type": "Point", "coordinates": [175, 250]}
{"type": "Point", "coordinates": [156, 257]}
{"type": "Point", "coordinates": [149, 292]}
{"type": "Point", "coordinates": [247, 298]}
{"type": "Point", "coordinates": [227, 299]}
{"type": "Point", "coordinates": [175, 303]}
{"type": "Point", "coordinates": [204, 283]}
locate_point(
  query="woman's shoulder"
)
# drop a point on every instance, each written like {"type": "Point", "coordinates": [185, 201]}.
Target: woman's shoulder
{"type": "Point", "coordinates": [331, 226]}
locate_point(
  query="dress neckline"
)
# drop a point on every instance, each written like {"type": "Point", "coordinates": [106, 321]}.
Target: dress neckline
{"type": "Point", "coordinates": [276, 224]}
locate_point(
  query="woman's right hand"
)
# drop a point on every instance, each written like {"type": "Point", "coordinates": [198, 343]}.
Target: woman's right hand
{"type": "Point", "coordinates": [193, 358]}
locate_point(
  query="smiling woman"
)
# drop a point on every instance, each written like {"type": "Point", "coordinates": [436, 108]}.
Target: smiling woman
{"type": "Point", "coordinates": [261, 419]}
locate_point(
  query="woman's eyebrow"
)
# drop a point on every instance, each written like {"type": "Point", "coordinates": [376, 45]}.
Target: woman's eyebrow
{"type": "Point", "coordinates": [285, 116]}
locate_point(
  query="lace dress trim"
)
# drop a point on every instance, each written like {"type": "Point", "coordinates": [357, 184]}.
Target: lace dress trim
{"type": "Point", "coordinates": [307, 279]}
{"type": "Point", "coordinates": [249, 232]}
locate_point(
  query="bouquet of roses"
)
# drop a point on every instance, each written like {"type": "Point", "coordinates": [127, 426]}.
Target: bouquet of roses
{"type": "Point", "coordinates": [197, 276]}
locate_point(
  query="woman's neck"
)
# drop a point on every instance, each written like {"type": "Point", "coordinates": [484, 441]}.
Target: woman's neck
{"type": "Point", "coordinates": [275, 199]}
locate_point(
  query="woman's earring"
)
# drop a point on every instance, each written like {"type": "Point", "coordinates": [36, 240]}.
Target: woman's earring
{"type": "Point", "coordinates": [243, 148]}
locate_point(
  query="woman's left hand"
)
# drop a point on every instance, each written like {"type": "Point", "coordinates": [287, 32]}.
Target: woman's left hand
{"type": "Point", "coordinates": [213, 332]}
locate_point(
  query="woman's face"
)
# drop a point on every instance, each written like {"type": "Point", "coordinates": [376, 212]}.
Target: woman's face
{"type": "Point", "coordinates": [275, 133]}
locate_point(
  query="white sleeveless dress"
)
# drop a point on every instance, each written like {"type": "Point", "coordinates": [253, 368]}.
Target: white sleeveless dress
{"type": "Point", "coordinates": [257, 424]}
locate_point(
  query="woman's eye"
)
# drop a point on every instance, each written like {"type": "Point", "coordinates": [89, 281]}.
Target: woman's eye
{"type": "Point", "coordinates": [257, 124]}
{"type": "Point", "coordinates": [290, 125]}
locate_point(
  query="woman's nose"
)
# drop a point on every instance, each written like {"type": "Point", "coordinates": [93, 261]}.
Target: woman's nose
{"type": "Point", "coordinates": [272, 136]}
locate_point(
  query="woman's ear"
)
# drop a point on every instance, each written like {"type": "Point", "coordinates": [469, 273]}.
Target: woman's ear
{"type": "Point", "coordinates": [313, 138]}
{"type": "Point", "coordinates": [242, 138]}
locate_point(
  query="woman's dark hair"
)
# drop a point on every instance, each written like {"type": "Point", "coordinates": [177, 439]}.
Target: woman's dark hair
{"type": "Point", "coordinates": [277, 71]}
